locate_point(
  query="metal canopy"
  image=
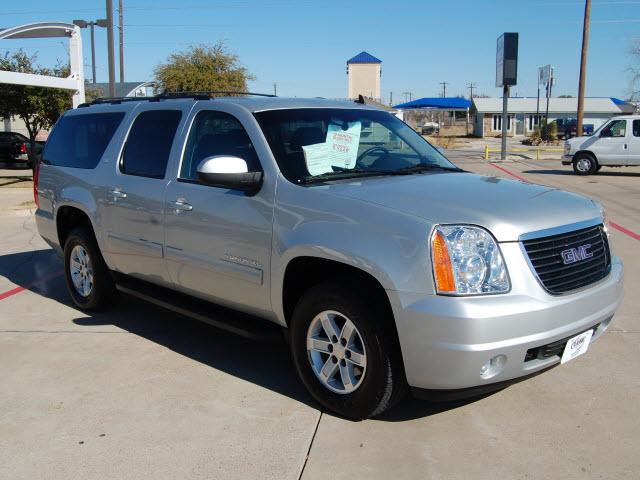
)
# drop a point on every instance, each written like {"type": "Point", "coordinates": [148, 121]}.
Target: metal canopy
{"type": "Point", "coordinates": [75, 80]}
{"type": "Point", "coordinates": [436, 103]}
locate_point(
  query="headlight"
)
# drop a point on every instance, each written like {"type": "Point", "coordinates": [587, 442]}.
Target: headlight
{"type": "Point", "coordinates": [603, 215]}
{"type": "Point", "coordinates": [467, 261]}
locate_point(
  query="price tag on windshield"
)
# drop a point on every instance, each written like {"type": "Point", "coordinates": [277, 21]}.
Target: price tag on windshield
{"type": "Point", "coordinates": [342, 145]}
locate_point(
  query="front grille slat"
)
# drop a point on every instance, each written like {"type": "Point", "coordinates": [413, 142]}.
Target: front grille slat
{"type": "Point", "coordinates": [590, 262]}
{"type": "Point", "coordinates": [545, 255]}
{"type": "Point", "coordinates": [564, 242]}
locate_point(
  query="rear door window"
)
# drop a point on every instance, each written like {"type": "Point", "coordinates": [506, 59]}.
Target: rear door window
{"type": "Point", "coordinates": [148, 146]}
{"type": "Point", "coordinates": [79, 141]}
{"type": "Point", "coordinates": [636, 128]}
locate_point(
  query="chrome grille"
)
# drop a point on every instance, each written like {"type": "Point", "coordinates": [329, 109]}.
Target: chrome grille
{"type": "Point", "coordinates": [569, 261]}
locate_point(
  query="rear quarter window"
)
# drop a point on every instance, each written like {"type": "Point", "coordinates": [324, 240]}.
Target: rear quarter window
{"type": "Point", "coordinates": [79, 141]}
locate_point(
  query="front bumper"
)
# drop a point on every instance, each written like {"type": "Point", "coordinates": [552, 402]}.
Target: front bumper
{"type": "Point", "coordinates": [445, 341]}
{"type": "Point", "coordinates": [567, 159]}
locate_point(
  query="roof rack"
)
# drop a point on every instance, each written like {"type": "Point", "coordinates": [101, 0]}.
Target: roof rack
{"type": "Point", "coordinates": [210, 93]}
{"type": "Point", "coordinates": [206, 95]}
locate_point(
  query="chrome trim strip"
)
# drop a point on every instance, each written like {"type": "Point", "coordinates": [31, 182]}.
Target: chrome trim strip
{"type": "Point", "coordinates": [220, 266]}
{"type": "Point", "coordinates": [123, 241]}
{"type": "Point", "coordinates": [548, 232]}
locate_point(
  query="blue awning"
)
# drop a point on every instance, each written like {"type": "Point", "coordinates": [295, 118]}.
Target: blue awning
{"type": "Point", "coordinates": [437, 103]}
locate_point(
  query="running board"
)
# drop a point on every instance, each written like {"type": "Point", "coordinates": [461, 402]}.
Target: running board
{"type": "Point", "coordinates": [245, 325]}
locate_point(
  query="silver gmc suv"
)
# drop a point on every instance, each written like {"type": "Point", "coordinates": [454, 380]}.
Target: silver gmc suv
{"type": "Point", "coordinates": [388, 267]}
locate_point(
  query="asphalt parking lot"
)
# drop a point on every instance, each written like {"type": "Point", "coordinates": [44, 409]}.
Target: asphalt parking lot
{"type": "Point", "coordinates": [140, 392]}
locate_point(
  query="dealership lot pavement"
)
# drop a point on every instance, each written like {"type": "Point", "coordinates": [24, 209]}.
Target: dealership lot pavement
{"type": "Point", "coordinates": [139, 392]}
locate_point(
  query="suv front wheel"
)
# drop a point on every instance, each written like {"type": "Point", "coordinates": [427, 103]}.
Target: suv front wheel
{"type": "Point", "coordinates": [585, 164]}
{"type": "Point", "coordinates": [345, 353]}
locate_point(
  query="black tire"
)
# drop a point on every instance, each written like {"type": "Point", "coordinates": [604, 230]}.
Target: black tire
{"type": "Point", "coordinates": [103, 291]}
{"type": "Point", "coordinates": [384, 382]}
{"type": "Point", "coordinates": [584, 164]}
{"type": "Point", "coordinates": [598, 168]}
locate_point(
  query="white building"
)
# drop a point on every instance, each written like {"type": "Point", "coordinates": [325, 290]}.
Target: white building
{"type": "Point", "coordinates": [487, 113]}
{"type": "Point", "coordinates": [364, 71]}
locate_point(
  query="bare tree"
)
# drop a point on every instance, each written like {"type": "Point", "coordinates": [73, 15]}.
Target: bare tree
{"type": "Point", "coordinates": [634, 90]}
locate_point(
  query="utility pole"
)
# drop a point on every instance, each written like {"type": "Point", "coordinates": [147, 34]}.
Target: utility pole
{"type": "Point", "coordinates": [444, 89]}
{"type": "Point", "coordinates": [121, 34]}
{"type": "Point", "coordinates": [112, 68]}
{"type": "Point", "coordinates": [93, 53]}
{"type": "Point", "coordinates": [275, 89]}
{"type": "Point", "coordinates": [471, 86]}
{"type": "Point", "coordinates": [390, 98]}
{"type": "Point", "coordinates": [583, 66]}
{"type": "Point", "coordinates": [407, 96]}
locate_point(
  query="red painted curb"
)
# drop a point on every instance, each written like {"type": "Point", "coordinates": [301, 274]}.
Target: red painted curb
{"type": "Point", "coordinates": [620, 228]}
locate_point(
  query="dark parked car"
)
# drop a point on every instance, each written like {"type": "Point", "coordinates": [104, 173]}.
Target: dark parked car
{"type": "Point", "coordinates": [567, 128]}
{"type": "Point", "coordinates": [14, 147]}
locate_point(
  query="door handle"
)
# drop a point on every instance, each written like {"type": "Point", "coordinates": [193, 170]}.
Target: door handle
{"type": "Point", "coordinates": [181, 205]}
{"type": "Point", "coordinates": [117, 193]}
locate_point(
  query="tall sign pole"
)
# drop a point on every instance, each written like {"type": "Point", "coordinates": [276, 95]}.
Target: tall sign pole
{"type": "Point", "coordinates": [506, 76]}
{"type": "Point", "coordinates": [112, 68]}
{"type": "Point", "coordinates": [121, 38]}
{"type": "Point", "coordinates": [537, 119]}
{"type": "Point", "coordinates": [583, 67]}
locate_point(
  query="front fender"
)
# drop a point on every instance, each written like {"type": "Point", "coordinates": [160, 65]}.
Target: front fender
{"type": "Point", "coordinates": [389, 245]}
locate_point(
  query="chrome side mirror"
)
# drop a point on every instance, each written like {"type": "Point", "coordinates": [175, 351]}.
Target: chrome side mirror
{"type": "Point", "coordinates": [229, 172]}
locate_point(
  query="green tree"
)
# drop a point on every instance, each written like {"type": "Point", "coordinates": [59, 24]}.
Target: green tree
{"type": "Point", "coordinates": [38, 107]}
{"type": "Point", "coordinates": [203, 68]}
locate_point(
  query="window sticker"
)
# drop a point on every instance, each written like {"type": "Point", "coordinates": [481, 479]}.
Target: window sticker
{"type": "Point", "coordinates": [342, 145]}
{"type": "Point", "coordinates": [317, 158]}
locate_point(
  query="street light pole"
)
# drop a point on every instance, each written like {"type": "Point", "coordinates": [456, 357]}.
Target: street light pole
{"type": "Point", "coordinates": [93, 53]}
{"type": "Point", "coordinates": [121, 37]}
{"type": "Point", "coordinates": [583, 67]}
{"type": "Point", "coordinates": [112, 73]}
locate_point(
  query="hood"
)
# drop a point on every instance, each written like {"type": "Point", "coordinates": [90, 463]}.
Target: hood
{"type": "Point", "coordinates": [507, 208]}
{"type": "Point", "coordinates": [582, 142]}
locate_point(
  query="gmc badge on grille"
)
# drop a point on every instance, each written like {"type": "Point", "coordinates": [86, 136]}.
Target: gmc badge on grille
{"type": "Point", "coordinates": [573, 255]}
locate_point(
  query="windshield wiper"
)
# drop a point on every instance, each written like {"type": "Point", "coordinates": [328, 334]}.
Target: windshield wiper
{"type": "Point", "coordinates": [351, 173]}
{"type": "Point", "coordinates": [421, 167]}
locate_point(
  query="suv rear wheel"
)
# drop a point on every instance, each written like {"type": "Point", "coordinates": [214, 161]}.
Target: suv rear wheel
{"type": "Point", "coordinates": [584, 164]}
{"type": "Point", "coordinates": [88, 279]}
{"type": "Point", "coordinates": [345, 353]}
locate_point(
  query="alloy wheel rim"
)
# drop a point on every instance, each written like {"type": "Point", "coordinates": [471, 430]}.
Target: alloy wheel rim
{"type": "Point", "coordinates": [336, 352]}
{"type": "Point", "coordinates": [81, 271]}
{"type": "Point", "coordinates": [584, 164]}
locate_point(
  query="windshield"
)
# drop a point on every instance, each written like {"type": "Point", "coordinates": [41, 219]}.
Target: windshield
{"type": "Point", "coordinates": [320, 144]}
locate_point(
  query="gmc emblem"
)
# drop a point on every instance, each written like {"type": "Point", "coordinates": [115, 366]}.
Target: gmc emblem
{"type": "Point", "coordinates": [573, 255]}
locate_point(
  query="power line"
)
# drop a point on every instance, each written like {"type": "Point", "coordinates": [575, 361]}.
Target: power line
{"type": "Point", "coordinates": [471, 86]}
{"type": "Point", "coordinates": [444, 88]}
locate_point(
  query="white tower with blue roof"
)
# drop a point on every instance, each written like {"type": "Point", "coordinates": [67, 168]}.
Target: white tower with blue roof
{"type": "Point", "coordinates": [364, 72]}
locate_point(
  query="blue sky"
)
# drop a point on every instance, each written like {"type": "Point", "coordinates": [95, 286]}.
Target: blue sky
{"type": "Point", "coordinates": [303, 45]}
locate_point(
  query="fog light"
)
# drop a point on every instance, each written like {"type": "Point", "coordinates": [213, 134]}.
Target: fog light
{"type": "Point", "coordinates": [493, 367]}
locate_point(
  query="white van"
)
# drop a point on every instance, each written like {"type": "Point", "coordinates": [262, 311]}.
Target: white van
{"type": "Point", "coordinates": [615, 144]}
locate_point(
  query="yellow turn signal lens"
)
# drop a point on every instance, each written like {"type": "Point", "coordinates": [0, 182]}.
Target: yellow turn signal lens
{"type": "Point", "coordinates": [445, 281]}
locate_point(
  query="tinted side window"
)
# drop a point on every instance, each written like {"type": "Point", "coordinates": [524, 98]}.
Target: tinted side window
{"type": "Point", "coordinates": [146, 152]}
{"type": "Point", "coordinates": [636, 128]}
{"type": "Point", "coordinates": [78, 141]}
{"type": "Point", "coordinates": [216, 133]}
